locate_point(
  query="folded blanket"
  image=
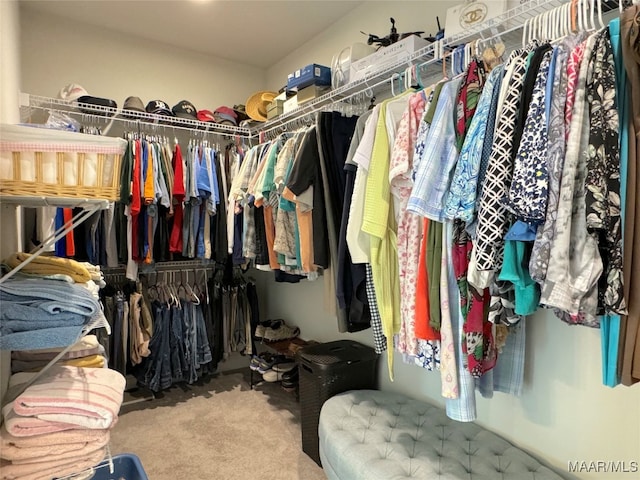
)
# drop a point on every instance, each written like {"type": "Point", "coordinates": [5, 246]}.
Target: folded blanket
{"type": "Point", "coordinates": [25, 426]}
{"type": "Point", "coordinates": [87, 345]}
{"type": "Point", "coordinates": [90, 361]}
{"type": "Point", "coordinates": [66, 396]}
{"type": "Point", "coordinates": [51, 469]}
{"type": "Point", "coordinates": [51, 296]}
{"type": "Point", "coordinates": [78, 435]}
{"type": "Point", "coordinates": [45, 304]}
{"type": "Point", "coordinates": [22, 318]}
{"type": "Point", "coordinates": [51, 447]}
{"type": "Point", "coordinates": [44, 265]}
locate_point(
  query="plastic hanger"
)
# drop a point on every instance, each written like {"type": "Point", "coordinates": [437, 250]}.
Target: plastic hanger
{"type": "Point", "coordinates": [444, 66]}
{"type": "Point", "coordinates": [525, 27]}
{"type": "Point", "coordinates": [600, 21]}
{"type": "Point", "coordinates": [417, 76]}
{"type": "Point", "coordinates": [407, 77]}
{"type": "Point", "coordinates": [579, 12]}
{"type": "Point", "coordinates": [567, 20]}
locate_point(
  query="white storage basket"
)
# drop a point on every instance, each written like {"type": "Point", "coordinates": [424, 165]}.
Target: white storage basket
{"type": "Point", "coordinates": [52, 163]}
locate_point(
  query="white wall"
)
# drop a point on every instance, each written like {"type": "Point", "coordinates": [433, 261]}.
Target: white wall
{"type": "Point", "coordinates": [57, 51]}
{"type": "Point", "coordinates": [9, 81]}
{"type": "Point", "coordinates": [565, 413]}
{"type": "Point", "coordinates": [370, 17]}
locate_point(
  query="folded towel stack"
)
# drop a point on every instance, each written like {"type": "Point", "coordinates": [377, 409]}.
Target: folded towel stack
{"type": "Point", "coordinates": [41, 313]}
{"type": "Point", "coordinates": [86, 352]}
{"type": "Point", "coordinates": [59, 425]}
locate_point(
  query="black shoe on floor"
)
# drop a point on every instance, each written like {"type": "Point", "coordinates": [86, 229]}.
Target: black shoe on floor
{"type": "Point", "coordinates": [290, 379]}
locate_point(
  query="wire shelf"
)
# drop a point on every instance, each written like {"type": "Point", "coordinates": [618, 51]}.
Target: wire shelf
{"type": "Point", "coordinates": [135, 120]}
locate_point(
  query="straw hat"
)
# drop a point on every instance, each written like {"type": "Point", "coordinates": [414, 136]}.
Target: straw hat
{"type": "Point", "coordinates": [256, 106]}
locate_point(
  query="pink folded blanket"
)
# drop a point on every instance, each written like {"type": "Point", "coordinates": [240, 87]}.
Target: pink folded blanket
{"type": "Point", "coordinates": [25, 426]}
{"type": "Point", "coordinates": [67, 444]}
{"type": "Point", "coordinates": [66, 397]}
{"type": "Point", "coordinates": [50, 469]}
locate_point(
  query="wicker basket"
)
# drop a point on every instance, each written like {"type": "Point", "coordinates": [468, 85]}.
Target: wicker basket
{"type": "Point", "coordinates": [50, 163]}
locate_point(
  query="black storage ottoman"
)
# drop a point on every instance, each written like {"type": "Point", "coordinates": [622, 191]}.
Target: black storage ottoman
{"type": "Point", "coordinates": [327, 369]}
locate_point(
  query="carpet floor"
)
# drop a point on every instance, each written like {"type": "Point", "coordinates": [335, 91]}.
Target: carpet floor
{"type": "Point", "coordinates": [217, 429]}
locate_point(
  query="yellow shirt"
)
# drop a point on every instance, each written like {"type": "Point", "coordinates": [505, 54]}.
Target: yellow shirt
{"type": "Point", "coordinates": [149, 192]}
{"type": "Point", "coordinates": [379, 223]}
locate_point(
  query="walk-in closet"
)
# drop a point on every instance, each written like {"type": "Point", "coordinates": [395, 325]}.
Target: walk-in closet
{"type": "Point", "coordinates": [344, 240]}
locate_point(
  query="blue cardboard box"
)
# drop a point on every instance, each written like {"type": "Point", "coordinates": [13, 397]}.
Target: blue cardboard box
{"type": "Point", "coordinates": [312, 74]}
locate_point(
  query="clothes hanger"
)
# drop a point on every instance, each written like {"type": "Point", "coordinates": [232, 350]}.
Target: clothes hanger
{"type": "Point", "coordinates": [444, 66]}
{"type": "Point", "coordinates": [393, 77]}
{"type": "Point", "coordinates": [548, 25]}
{"type": "Point", "coordinates": [407, 78]}
{"type": "Point", "coordinates": [579, 16]}
{"type": "Point", "coordinates": [567, 20]}
{"type": "Point", "coordinates": [600, 21]}
{"type": "Point", "coordinates": [417, 75]}
{"type": "Point", "coordinates": [525, 27]}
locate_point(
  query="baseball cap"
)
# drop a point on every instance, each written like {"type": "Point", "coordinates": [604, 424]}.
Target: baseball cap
{"type": "Point", "coordinates": [159, 108]}
{"type": "Point", "coordinates": [225, 119]}
{"type": "Point", "coordinates": [227, 111]}
{"type": "Point", "coordinates": [96, 101]}
{"type": "Point", "coordinates": [133, 103]}
{"type": "Point", "coordinates": [239, 110]}
{"type": "Point", "coordinates": [206, 116]}
{"type": "Point", "coordinates": [185, 109]}
{"type": "Point", "coordinates": [72, 92]}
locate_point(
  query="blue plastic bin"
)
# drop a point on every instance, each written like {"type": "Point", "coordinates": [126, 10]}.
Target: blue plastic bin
{"type": "Point", "coordinates": [126, 466]}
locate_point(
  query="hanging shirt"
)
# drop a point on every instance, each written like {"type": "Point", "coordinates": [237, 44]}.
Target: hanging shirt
{"type": "Point", "coordinates": [379, 223]}
{"type": "Point", "coordinates": [423, 130]}
{"type": "Point", "coordinates": [572, 276]}
{"type": "Point", "coordinates": [461, 200]}
{"type": "Point", "coordinates": [409, 225]}
{"type": "Point", "coordinates": [492, 219]}
{"type": "Point", "coordinates": [434, 174]}
{"type": "Point", "coordinates": [555, 161]}
{"type": "Point", "coordinates": [357, 241]}
{"type": "Point", "coordinates": [527, 198]}
{"type": "Point", "coordinates": [175, 239]}
{"type": "Point", "coordinates": [602, 194]}
{"type": "Point", "coordinates": [149, 193]}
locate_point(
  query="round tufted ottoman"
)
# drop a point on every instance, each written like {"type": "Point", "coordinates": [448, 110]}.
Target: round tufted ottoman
{"type": "Point", "coordinates": [374, 435]}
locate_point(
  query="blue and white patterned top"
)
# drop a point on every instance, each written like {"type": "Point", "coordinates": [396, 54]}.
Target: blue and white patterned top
{"type": "Point", "coordinates": [461, 200]}
{"type": "Point", "coordinates": [434, 173]}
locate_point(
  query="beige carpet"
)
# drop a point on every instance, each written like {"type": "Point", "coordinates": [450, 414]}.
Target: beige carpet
{"type": "Point", "coordinates": [218, 429]}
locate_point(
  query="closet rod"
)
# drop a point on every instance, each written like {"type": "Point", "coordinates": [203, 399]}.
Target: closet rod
{"type": "Point", "coordinates": [176, 266]}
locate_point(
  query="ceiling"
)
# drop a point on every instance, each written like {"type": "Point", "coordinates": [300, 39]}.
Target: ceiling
{"type": "Point", "coordinates": [253, 32]}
